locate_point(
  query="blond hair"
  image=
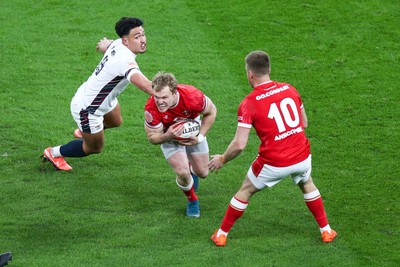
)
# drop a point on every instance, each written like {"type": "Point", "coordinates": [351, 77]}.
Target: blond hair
{"type": "Point", "coordinates": [163, 79]}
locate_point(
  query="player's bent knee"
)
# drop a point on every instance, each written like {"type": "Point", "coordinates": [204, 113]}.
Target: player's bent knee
{"type": "Point", "coordinates": [119, 122]}
{"type": "Point", "coordinates": [203, 174]}
{"type": "Point", "coordinates": [182, 173]}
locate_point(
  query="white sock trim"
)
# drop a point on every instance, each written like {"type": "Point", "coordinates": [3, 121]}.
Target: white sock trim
{"type": "Point", "coordinates": [312, 196]}
{"type": "Point", "coordinates": [220, 232]}
{"type": "Point", "coordinates": [237, 204]}
{"type": "Point", "coordinates": [55, 151]}
{"type": "Point", "coordinates": [325, 228]}
{"type": "Point", "coordinates": [186, 188]}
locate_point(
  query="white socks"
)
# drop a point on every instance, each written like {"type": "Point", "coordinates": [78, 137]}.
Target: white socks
{"type": "Point", "coordinates": [186, 188]}
{"type": "Point", "coordinates": [55, 151]}
{"type": "Point", "coordinates": [325, 228]}
{"type": "Point", "coordinates": [221, 232]}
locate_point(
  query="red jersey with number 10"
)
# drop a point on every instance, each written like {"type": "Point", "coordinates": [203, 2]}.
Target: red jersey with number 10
{"type": "Point", "coordinates": [274, 110]}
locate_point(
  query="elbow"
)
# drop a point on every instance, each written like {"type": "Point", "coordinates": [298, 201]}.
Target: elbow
{"type": "Point", "coordinates": [240, 146]}
{"type": "Point", "coordinates": [154, 142]}
{"type": "Point", "coordinates": [151, 140]}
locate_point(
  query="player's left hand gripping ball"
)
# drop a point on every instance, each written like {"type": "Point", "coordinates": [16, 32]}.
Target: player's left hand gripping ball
{"type": "Point", "coordinates": [190, 128]}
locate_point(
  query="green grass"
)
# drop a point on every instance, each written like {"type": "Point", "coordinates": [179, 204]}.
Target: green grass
{"type": "Point", "coordinates": [122, 207]}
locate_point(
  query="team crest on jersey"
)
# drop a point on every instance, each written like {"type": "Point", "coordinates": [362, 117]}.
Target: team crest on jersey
{"type": "Point", "coordinates": [148, 117]}
{"type": "Point", "coordinates": [186, 112]}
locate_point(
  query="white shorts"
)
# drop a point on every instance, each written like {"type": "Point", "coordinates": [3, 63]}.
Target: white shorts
{"type": "Point", "coordinates": [170, 148]}
{"type": "Point", "coordinates": [87, 121]}
{"type": "Point", "coordinates": [270, 175]}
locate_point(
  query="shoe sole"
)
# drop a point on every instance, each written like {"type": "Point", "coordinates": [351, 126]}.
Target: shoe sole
{"type": "Point", "coordinates": [45, 159]}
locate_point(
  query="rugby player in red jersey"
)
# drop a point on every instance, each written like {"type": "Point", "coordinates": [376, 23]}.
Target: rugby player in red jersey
{"type": "Point", "coordinates": [170, 103]}
{"type": "Point", "coordinates": [276, 112]}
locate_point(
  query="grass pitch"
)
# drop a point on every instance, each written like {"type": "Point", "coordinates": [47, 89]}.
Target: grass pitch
{"type": "Point", "coordinates": [122, 207]}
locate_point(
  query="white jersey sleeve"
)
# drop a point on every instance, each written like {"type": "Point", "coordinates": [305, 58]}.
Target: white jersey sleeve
{"type": "Point", "coordinates": [111, 77]}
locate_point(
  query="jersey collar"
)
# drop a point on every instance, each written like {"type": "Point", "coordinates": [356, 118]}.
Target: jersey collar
{"type": "Point", "coordinates": [177, 101]}
{"type": "Point", "coordinates": [265, 86]}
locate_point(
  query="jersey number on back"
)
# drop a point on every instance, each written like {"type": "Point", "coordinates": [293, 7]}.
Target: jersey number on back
{"type": "Point", "coordinates": [101, 65]}
{"type": "Point", "coordinates": [286, 106]}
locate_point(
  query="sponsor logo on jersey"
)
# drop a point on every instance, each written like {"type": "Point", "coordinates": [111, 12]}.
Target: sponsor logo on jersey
{"type": "Point", "coordinates": [272, 92]}
{"type": "Point", "coordinates": [289, 133]}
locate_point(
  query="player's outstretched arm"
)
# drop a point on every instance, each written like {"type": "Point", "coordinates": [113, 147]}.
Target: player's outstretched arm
{"type": "Point", "coordinates": [237, 145]}
{"type": "Point", "coordinates": [103, 44]}
{"type": "Point", "coordinates": [141, 82]}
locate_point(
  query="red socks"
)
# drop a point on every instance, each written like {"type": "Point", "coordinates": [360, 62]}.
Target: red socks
{"type": "Point", "coordinates": [237, 207]}
{"type": "Point", "coordinates": [235, 210]}
{"type": "Point", "coordinates": [191, 195]}
{"type": "Point", "coordinates": [316, 206]}
{"type": "Point", "coordinates": [188, 190]}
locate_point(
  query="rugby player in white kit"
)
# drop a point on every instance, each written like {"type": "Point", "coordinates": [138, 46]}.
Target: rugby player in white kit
{"type": "Point", "coordinates": [95, 105]}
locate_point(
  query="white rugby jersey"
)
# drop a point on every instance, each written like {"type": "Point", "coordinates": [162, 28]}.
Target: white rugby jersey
{"type": "Point", "coordinates": [111, 76]}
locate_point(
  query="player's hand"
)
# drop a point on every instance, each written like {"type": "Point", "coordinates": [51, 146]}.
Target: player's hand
{"type": "Point", "coordinates": [215, 163]}
{"type": "Point", "coordinates": [103, 44]}
{"type": "Point", "coordinates": [174, 131]}
{"type": "Point", "coordinates": [191, 142]}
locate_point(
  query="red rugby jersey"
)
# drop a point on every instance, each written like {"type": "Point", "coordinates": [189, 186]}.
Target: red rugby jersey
{"type": "Point", "coordinates": [191, 104]}
{"type": "Point", "coordinates": [274, 110]}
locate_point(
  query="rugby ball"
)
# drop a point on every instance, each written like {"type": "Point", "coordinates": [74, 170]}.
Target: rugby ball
{"type": "Point", "coordinates": [190, 128]}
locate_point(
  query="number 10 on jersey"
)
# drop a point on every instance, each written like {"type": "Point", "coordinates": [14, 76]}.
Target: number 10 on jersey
{"type": "Point", "coordinates": [287, 108]}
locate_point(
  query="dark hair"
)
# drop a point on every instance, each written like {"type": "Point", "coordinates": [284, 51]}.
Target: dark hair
{"type": "Point", "coordinates": [163, 79]}
{"type": "Point", "coordinates": [126, 24]}
{"type": "Point", "coordinates": [258, 63]}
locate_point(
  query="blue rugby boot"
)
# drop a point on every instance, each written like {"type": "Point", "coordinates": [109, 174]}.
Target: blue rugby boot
{"type": "Point", "coordinates": [193, 209]}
